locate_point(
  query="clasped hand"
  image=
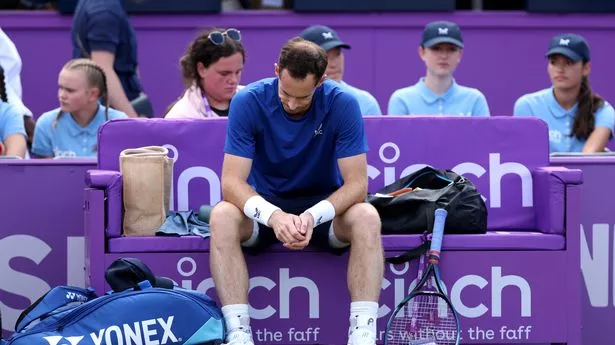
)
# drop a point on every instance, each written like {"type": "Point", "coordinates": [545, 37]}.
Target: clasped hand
{"type": "Point", "coordinates": [295, 232]}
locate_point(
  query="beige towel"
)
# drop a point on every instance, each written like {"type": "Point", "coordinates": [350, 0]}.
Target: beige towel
{"type": "Point", "coordinates": [147, 174]}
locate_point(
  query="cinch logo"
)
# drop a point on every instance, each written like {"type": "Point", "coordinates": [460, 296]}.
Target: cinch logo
{"type": "Point", "coordinates": [137, 333]}
{"type": "Point", "coordinates": [495, 173]}
{"type": "Point", "coordinates": [394, 289]}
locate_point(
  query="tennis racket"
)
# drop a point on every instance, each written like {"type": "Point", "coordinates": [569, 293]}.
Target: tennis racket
{"type": "Point", "coordinates": [426, 316]}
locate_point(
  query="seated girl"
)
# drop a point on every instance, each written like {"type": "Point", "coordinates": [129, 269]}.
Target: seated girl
{"type": "Point", "coordinates": [578, 119]}
{"type": "Point", "coordinates": [211, 67]}
{"type": "Point", "coordinates": [71, 130]}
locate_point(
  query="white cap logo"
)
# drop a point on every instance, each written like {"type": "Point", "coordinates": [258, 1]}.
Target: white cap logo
{"type": "Point", "coordinates": [564, 41]}
{"type": "Point", "coordinates": [442, 31]}
{"type": "Point", "coordinates": [327, 35]}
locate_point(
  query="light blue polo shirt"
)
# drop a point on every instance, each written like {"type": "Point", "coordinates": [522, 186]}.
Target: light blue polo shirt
{"type": "Point", "coordinates": [68, 138]}
{"type": "Point", "coordinates": [368, 103]}
{"type": "Point", "coordinates": [11, 121]}
{"type": "Point", "coordinates": [418, 99]}
{"type": "Point", "coordinates": [543, 105]}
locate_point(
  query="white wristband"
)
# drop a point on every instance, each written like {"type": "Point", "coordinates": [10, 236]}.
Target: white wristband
{"type": "Point", "coordinates": [259, 209]}
{"type": "Point", "coordinates": [322, 212]}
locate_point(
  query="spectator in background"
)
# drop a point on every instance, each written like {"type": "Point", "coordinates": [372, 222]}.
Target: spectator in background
{"type": "Point", "coordinates": [578, 119]}
{"type": "Point", "coordinates": [71, 130]}
{"type": "Point", "coordinates": [328, 40]}
{"type": "Point", "coordinates": [437, 93]}
{"type": "Point", "coordinates": [211, 68]}
{"type": "Point", "coordinates": [10, 61]}
{"type": "Point", "coordinates": [12, 132]}
{"type": "Point", "coordinates": [101, 30]}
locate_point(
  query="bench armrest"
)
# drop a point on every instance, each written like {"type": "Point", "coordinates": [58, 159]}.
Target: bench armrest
{"type": "Point", "coordinates": [550, 196]}
{"type": "Point", "coordinates": [111, 182]}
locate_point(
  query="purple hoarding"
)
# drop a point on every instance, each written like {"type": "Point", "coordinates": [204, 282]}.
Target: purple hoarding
{"type": "Point", "coordinates": [41, 245]}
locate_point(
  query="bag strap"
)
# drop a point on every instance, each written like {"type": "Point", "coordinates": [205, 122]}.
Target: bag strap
{"type": "Point", "coordinates": [54, 299]}
{"type": "Point", "coordinates": [413, 253]}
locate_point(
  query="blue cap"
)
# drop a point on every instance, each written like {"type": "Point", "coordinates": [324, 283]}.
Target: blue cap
{"type": "Point", "coordinates": [324, 36]}
{"type": "Point", "coordinates": [442, 32]}
{"type": "Point", "coordinates": [572, 46]}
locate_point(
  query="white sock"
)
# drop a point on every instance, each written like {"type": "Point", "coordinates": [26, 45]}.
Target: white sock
{"type": "Point", "coordinates": [363, 314]}
{"type": "Point", "coordinates": [236, 315]}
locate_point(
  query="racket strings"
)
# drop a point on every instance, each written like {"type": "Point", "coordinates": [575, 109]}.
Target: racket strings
{"type": "Point", "coordinates": [424, 320]}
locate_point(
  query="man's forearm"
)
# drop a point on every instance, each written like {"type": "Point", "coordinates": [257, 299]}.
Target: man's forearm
{"type": "Point", "coordinates": [237, 192]}
{"type": "Point", "coordinates": [117, 96]}
{"type": "Point", "coordinates": [347, 195]}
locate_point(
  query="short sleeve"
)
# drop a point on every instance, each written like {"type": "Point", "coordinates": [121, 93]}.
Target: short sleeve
{"type": "Point", "coordinates": [522, 108]}
{"type": "Point", "coordinates": [240, 133]}
{"type": "Point", "coordinates": [42, 144]}
{"type": "Point", "coordinates": [481, 108]}
{"type": "Point", "coordinates": [605, 117]}
{"type": "Point", "coordinates": [351, 139]}
{"type": "Point", "coordinates": [11, 122]}
{"type": "Point", "coordinates": [104, 31]}
{"type": "Point", "coordinates": [396, 105]}
{"type": "Point", "coordinates": [373, 108]}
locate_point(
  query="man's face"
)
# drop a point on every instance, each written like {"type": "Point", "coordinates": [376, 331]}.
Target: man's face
{"type": "Point", "coordinates": [335, 65]}
{"type": "Point", "coordinates": [296, 94]}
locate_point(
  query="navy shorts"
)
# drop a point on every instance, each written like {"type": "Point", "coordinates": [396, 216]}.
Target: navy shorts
{"type": "Point", "coordinates": [264, 236]}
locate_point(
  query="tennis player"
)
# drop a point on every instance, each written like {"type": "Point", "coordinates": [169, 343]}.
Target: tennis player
{"type": "Point", "coordinates": [301, 141]}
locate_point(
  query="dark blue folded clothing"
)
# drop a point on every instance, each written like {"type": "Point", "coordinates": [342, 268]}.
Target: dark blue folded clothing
{"type": "Point", "coordinates": [183, 223]}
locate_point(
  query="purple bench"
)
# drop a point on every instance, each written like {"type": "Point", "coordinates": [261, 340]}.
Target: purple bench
{"type": "Point", "coordinates": [533, 221]}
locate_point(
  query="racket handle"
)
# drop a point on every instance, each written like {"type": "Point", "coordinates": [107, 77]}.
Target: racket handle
{"type": "Point", "coordinates": [438, 229]}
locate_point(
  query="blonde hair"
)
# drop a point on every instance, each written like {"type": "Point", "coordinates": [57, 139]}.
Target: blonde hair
{"type": "Point", "coordinates": [95, 77]}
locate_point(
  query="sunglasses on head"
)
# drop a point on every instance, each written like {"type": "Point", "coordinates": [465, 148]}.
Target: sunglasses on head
{"type": "Point", "coordinates": [218, 37]}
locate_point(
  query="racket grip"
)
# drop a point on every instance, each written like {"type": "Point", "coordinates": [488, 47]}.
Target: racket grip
{"type": "Point", "coordinates": [438, 229]}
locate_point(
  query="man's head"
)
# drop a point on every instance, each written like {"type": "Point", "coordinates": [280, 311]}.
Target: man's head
{"type": "Point", "coordinates": [441, 47]}
{"type": "Point", "coordinates": [300, 70]}
{"type": "Point", "coordinates": [328, 40]}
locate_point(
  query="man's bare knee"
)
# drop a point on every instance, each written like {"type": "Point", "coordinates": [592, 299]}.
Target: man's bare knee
{"type": "Point", "coordinates": [228, 223]}
{"type": "Point", "coordinates": [360, 223]}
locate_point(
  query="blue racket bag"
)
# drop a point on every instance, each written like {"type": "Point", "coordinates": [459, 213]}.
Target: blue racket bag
{"type": "Point", "coordinates": [149, 315]}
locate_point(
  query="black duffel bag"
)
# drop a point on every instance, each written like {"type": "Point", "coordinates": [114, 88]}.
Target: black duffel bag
{"type": "Point", "coordinates": [407, 206]}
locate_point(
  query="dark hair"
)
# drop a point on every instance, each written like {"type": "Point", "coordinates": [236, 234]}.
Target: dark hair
{"type": "Point", "coordinates": [301, 57]}
{"type": "Point", "coordinates": [95, 77]}
{"type": "Point", "coordinates": [3, 96]}
{"type": "Point", "coordinates": [206, 52]}
{"type": "Point", "coordinates": [588, 104]}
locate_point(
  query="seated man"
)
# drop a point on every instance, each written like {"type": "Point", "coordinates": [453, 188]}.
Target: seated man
{"type": "Point", "coordinates": [298, 137]}
{"type": "Point", "coordinates": [328, 40]}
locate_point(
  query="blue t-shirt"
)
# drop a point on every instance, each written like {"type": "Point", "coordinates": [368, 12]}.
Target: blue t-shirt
{"type": "Point", "coordinates": [294, 158]}
{"type": "Point", "coordinates": [368, 103]}
{"type": "Point", "coordinates": [104, 25]}
{"type": "Point", "coordinates": [11, 121]}
{"type": "Point", "coordinates": [418, 99]}
{"type": "Point", "coordinates": [67, 138]}
{"type": "Point", "coordinates": [543, 105]}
